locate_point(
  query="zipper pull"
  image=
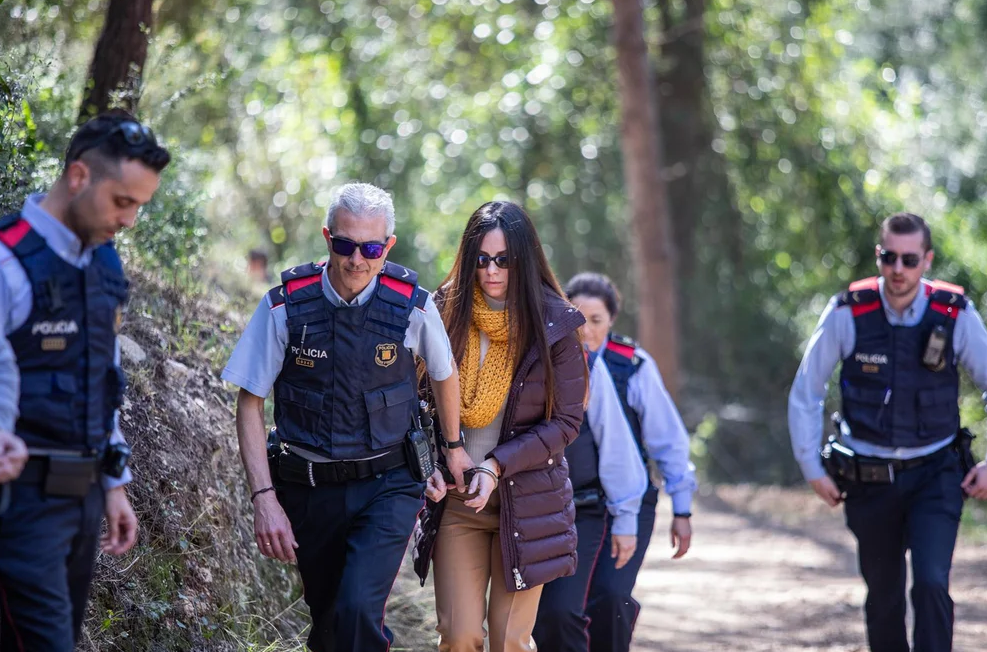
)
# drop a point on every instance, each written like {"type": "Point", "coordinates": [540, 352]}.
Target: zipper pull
{"type": "Point", "coordinates": [887, 396]}
{"type": "Point", "coordinates": [518, 582]}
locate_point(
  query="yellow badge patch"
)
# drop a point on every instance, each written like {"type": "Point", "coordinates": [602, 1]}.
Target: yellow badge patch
{"type": "Point", "coordinates": [387, 354]}
{"type": "Point", "coordinates": [53, 344]}
{"type": "Point", "coordinates": [305, 362]}
{"type": "Point", "coordinates": [871, 369]}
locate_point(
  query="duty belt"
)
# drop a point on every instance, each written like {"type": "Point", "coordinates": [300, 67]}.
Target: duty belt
{"type": "Point", "coordinates": [296, 469]}
{"type": "Point", "coordinates": [881, 470]}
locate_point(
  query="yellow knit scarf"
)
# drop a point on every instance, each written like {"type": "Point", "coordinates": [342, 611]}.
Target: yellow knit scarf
{"type": "Point", "coordinates": [483, 388]}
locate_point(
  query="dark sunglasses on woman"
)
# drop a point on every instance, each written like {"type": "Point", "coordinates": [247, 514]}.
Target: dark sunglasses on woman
{"type": "Point", "coordinates": [483, 261]}
{"type": "Point", "coordinates": [345, 247]}
{"type": "Point", "coordinates": [911, 261]}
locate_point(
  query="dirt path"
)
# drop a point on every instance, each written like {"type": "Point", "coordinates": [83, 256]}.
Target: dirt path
{"type": "Point", "coordinates": [775, 569]}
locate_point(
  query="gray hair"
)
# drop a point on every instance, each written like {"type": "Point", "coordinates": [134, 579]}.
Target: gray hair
{"type": "Point", "coordinates": [361, 200]}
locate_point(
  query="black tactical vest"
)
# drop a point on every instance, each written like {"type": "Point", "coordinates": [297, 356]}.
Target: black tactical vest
{"type": "Point", "coordinates": [582, 454]}
{"type": "Point", "coordinates": [348, 386]}
{"type": "Point", "coordinates": [619, 356]}
{"type": "Point", "coordinates": [70, 385]}
{"type": "Point", "coordinates": [889, 397]}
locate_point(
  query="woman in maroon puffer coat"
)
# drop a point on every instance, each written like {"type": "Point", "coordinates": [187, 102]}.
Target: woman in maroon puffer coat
{"type": "Point", "coordinates": [523, 379]}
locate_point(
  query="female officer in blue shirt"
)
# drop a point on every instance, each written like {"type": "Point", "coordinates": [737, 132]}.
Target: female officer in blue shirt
{"type": "Point", "coordinates": [661, 436]}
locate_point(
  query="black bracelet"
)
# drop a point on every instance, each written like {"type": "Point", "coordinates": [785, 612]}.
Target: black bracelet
{"type": "Point", "coordinates": [683, 515]}
{"type": "Point", "coordinates": [259, 492]}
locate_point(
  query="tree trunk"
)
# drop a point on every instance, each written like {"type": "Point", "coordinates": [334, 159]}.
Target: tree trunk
{"type": "Point", "coordinates": [118, 62]}
{"type": "Point", "coordinates": [681, 92]}
{"type": "Point", "coordinates": [654, 250]}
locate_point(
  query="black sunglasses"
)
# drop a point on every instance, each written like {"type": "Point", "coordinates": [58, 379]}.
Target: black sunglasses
{"type": "Point", "coordinates": [346, 247]}
{"type": "Point", "coordinates": [137, 137]}
{"type": "Point", "coordinates": [483, 261]}
{"type": "Point", "coordinates": [911, 261]}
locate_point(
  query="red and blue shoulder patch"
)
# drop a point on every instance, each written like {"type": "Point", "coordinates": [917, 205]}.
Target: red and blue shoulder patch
{"type": "Point", "coordinates": [862, 296]}
{"type": "Point", "coordinates": [404, 282]}
{"type": "Point", "coordinates": [622, 345]}
{"type": "Point", "coordinates": [11, 234]}
{"type": "Point", "coordinates": [946, 298]}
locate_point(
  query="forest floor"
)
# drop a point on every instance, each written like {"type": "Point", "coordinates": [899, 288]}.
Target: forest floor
{"type": "Point", "coordinates": [775, 569]}
{"type": "Point", "coordinates": [770, 569]}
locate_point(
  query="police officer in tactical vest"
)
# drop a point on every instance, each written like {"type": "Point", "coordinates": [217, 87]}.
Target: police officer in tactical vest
{"type": "Point", "coordinates": [337, 343]}
{"type": "Point", "coordinates": [62, 289]}
{"type": "Point", "coordinates": [898, 464]}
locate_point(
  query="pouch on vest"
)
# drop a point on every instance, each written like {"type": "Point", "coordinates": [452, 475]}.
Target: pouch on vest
{"type": "Point", "coordinates": [69, 476]}
{"type": "Point", "coordinates": [387, 409]}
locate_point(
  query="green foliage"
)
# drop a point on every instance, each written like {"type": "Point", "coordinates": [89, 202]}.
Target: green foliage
{"type": "Point", "coordinates": [170, 232]}
{"type": "Point", "coordinates": [824, 116]}
{"type": "Point", "coordinates": [20, 150]}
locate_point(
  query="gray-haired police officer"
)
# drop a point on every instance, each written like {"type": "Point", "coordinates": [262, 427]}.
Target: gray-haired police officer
{"type": "Point", "coordinates": [900, 338]}
{"type": "Point", "coordinates": [62, 289]}
{"type": "Point", "coordinates": [337, 343]}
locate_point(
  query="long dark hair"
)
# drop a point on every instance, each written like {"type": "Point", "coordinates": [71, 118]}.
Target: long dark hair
{"type": "Point", "coordinates": [529, 276]}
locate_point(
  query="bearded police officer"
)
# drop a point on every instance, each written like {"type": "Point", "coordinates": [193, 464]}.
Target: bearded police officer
{"type": "Point", "coordinates": [900, 338]}
{"type": "Point", "coordinates": [62, 289]}
{"type": "Point", "coordinates": [337, 343]}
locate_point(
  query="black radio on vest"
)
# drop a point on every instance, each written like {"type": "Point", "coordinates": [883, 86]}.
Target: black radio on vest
{"type": "Point", "coordinates": [892, 395]}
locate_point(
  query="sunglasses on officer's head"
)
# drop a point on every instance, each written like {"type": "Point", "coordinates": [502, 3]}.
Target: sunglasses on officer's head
{"type": "Point", "coordinates": [136, 136]}
{"type": "Point", "coordinates": [911, 261]}
{"type": "Point", "coordinates": [345, 247]}
{"type": "Point", "coordinates": [483, 261]}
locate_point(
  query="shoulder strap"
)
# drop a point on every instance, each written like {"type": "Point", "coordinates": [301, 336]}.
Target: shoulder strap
{"type": "Point", "coordinates": [399, 285]}
{"type": "Point", "coordinates": [622, 346]}
{"type": "Point", "coordinates": [946, 298]}
{"type": "Point", "coordinates": [302, 282]}
{"type": "Point", "coordinates": [16, 233]}
{"type": "Point", "coordinates": [276, 296]}
{"type": "Point", "coordinates": [108, 257]}
{"type": "Point", "coordinates": [863, 296]}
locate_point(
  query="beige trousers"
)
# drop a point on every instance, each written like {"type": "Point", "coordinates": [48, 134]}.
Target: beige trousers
{"type": "Point", "coordinates": [467, 560]}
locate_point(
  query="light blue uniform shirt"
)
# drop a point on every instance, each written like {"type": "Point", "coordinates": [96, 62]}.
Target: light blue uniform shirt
{"type": "Point", "coordinates": [259, 355]}
{"type": "Point", "coordinates": [621, 470]}
{"type": "Point", "coordinates": [664, 435]}
{"type": "Point", "coordinates": [834, 340]}
{"type": "Point", "coordinates": [15, 307]}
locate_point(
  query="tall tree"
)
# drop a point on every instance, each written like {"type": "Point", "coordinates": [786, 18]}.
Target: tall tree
{"type": "Point", "coordinates": [654, 249]}
{"type": "Point", "coordinates": [118, 62]}
{"type": "Point", "coordinates": [681, 92]}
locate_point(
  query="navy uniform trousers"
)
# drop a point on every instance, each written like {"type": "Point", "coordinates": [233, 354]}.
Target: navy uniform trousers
{"type": "Point", "coordinates": [920, 511]}
{"type": "Point", "coordinates": [611, 610]}
{"type": "Point", "coordinates": [351, 539]}
{"type": "Point", "coordinates": [47, 552]}
{"type": "Point", "coordinates": [561, 625]}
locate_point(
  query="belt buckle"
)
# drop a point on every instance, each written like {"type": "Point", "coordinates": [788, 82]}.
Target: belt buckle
{"type": "Point", "coordinates": [891, 472]}
{"type": "Point", "coordinates": [311, 475]}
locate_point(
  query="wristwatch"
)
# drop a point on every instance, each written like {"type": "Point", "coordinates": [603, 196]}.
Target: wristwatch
{"type": "Point", "coordinates": [458, 443]}
{"type": "Point", "coordinates": [682, 515]}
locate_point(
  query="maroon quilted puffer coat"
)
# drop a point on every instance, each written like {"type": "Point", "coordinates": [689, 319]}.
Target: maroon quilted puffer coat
{"type": "Point", "coordinates": [537, 517]}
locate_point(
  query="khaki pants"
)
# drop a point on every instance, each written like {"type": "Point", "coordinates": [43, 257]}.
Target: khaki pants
{"type": "Point", "coordinates": [467, 560]}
